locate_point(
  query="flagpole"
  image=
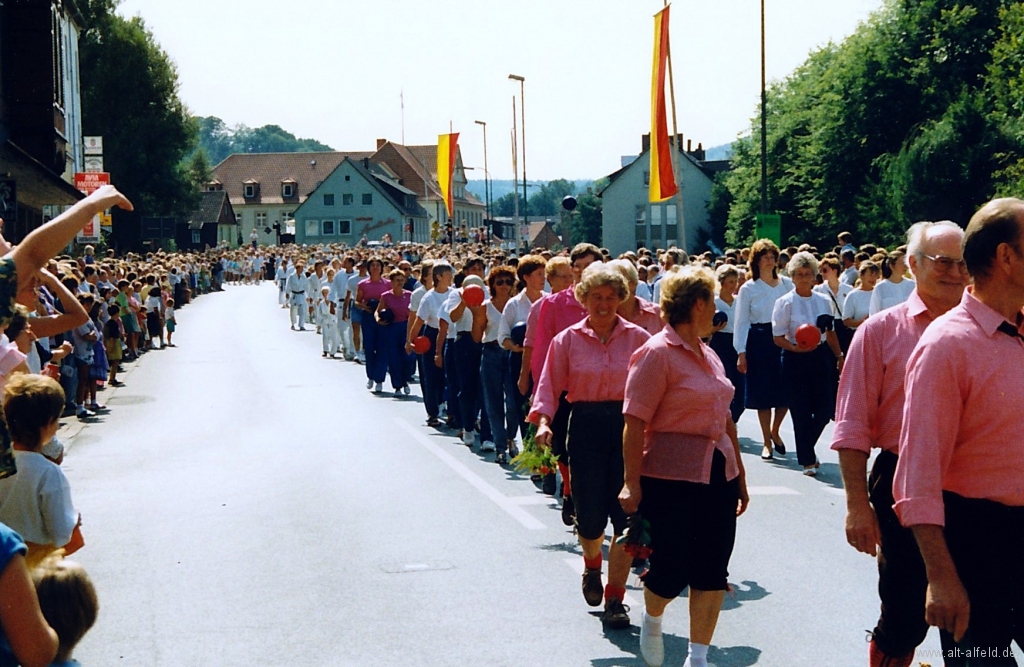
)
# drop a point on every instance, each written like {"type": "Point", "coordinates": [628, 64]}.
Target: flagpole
{"type": "Point", "coordinates": [680, 227]}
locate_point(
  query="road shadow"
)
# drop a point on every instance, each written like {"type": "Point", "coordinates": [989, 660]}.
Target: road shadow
{"type": "Point", "coordinates": [676, 648]}
{"type": "Point", "coordinates": [564, 547]}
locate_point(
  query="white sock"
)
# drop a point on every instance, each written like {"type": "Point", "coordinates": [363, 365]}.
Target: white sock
{"type": "Point", "coordinates": [652, 623]}
{"type": "Point", "coordinates": [698, 656]}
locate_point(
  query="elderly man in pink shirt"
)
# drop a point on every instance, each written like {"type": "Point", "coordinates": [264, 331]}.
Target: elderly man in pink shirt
{"type": "Point", "coordinates": [958, 483]}
{"type": "Point", "coordinates": [869, 414]}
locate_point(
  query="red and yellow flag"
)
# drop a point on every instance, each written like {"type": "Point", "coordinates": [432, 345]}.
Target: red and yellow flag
{"type": "Point", "coordinates": [663, 182]}
{"type": "Point", "coordinates": [447, 149]}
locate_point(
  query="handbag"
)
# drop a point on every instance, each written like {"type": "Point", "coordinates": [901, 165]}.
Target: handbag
{"type": "Point", "coordinates": [843, 332]}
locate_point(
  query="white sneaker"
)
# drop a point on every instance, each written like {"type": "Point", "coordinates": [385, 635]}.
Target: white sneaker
{"type": "Point", "coordinates": [652, 645]}
{"type": "Point", "coordinates": [377, 388]}
{"type": "Point", "coordinates": [468, 437]}
{"type": "Point", "coordinates": [406, 390]}
{"type": "Point", "coordinates": [487, 446]}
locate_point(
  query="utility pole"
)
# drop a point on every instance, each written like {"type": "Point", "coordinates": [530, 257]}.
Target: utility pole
{"type": "Point", "coordinates": [764, 124]}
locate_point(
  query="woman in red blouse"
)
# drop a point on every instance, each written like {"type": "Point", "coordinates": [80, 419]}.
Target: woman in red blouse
{"type": "Point", "coordinates": [589, 360]}
{"type": "Point", "coordinates": [682, 462]}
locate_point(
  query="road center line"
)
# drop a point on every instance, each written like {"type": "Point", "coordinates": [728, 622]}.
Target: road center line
{"type": "Point", "coordinates": [502, 501]}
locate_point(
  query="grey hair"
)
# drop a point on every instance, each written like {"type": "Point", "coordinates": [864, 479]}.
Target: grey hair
{"type": "Point", "coordinates": [802, 260]}
{"type": "Point", "coordinates": [626, 268]}
{"type": "Point", "coordinates": [919, 231]}
{"type": "Point", "coordinates": [599, 274]}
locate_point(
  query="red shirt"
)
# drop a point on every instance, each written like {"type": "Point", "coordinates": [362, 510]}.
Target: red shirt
{"type": "Point", "coordinates": [648, 317]}
{"type": "Point", "coordinates": [963, 417]}
{"type": "Point", "coordinates": [869, 411]}
{"type": "Point", "coordinates": [591, 371]}
{"type": "Point", "coordinates": [556, 313]}
{"type": "Point", "coordinates": [685, 401]}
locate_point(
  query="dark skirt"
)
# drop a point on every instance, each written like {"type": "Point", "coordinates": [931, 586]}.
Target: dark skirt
{"type": "Point", "coordinates": [721, 343]}
{"type": "Point", "coordinates": [765, 388]}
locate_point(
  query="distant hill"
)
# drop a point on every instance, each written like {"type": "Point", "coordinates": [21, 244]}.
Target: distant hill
{"type": "Point", "coordinates": [723, 152]}
{"type": "Point", "coordinates": [501, 188]}
{"type": "Point", "coordinates": [220, 141]}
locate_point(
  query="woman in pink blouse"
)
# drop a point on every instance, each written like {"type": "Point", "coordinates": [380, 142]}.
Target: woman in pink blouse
{"type": "Point", "coordinates": [682, 462]}
{"type": "Point", "coordinates": [589, 360]}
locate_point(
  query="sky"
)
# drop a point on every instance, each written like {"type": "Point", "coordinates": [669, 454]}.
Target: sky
{"type": "Point", "coordinates": [337, 70]}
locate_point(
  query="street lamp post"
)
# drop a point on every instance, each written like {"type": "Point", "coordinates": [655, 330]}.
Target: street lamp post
{"type": "Point", "coordinates": [522, 111]}
{"type": "Point", "coordinates": [487, 190]}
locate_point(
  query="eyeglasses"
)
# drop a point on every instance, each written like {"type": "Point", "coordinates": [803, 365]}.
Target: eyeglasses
{"type": "Point", "coordinates": [946, 264]}
{"type": "Point", "coordinates": [502, 281]}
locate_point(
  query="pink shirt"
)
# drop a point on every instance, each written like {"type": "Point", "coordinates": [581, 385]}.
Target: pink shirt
{"type": "Point", "coordinates": [685, 401]}
{"type": "Point", "coordinates": [557, 313]}
{"type": "Point", "coordinates": [962, 422]}
{"type": "Point", "coordinates": [373, 290]}
{"type": "Point", "coordinates": [869, 411]}
{"type": "Point", "coordinates": [589, 370]}
{"type": "Point", "coordinates": [648, 317]}
{"type": "Point", "coordinates": [399, 305]}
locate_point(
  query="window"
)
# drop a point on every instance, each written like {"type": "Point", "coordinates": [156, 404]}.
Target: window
{"type": "Point", "coordinates": [238, 218]}
{"type": "Point", "coordinates": [647, 178]}
{"type": "Point", "coordinates": [641, 226]}
{"type": "Point", "coordinates": [348, 177]}
{"type": "Point", "coordinates": [312, 228]}
{"type": "Point", "coordinates": [286, 215]}
{"type": "Point", "coordinates": [367, 199]}
{"type": "Point", "coordinates": [656, 214]}
{"type": "Point", "coordinates": [287, 190]}
{"type": "Point", "coordinates": [250, 191]}
{"type": "Point", "coordinates": [346, 200]}
{"type": "Point", "coordinates": [261, 220]}
{"type": "Point", "coordinates": [195, 236]}
{"type": "Point", "coordinates": [327, 228]}
{"type": "Point", "coordinates": [344, 226]}
{"type": "Point", "coordinates": [329, 200]}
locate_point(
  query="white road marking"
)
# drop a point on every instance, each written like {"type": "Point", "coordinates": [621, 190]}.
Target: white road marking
{"type": "Point", "coordinates": [532, 500]}
{"type": "Point", "coordinates": [499, 499]}
{"type": "Point", "coordinates": [576, 565]}
{"type": "Point", "coordinates": [772, 491]}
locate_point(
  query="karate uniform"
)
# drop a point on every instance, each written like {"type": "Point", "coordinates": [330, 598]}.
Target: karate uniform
{"type": "Point", "coordinates": [295, 286]}
{"type": "Point", "coordinates": [328, 326]}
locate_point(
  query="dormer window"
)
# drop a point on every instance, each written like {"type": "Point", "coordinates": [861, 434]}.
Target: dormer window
{"type": "Point", "coordinates": [252, 189]}
{"type": "Point", "coordinates": [287, 188]}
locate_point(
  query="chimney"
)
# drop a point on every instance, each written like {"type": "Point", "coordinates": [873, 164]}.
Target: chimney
{"type": "Point", "coordinates": [645, 143]}
{"type": "Point", "coordinates": [380, 143]}
{"type": "Point", "coordinates": [679, 141]}
{"type": "Point", "coordinates": [699, 154]}
{"type": "Point", "coordinates": [689, 145]}
{"type": "Point", "coordinates": [366, 163]}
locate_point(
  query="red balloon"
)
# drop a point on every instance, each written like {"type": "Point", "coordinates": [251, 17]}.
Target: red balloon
{"type": "Point", "coordinates": [473, 295]}
{"type": "Point", "coordinates": [420, 344]}
{"type": "Point", "coordinates": [808, 336]}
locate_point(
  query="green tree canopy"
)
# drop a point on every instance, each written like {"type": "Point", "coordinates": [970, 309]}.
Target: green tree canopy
{"type": "Point", "coordinates": [220, 141]}
{"type": "Point", "coordinates": [915, 116]}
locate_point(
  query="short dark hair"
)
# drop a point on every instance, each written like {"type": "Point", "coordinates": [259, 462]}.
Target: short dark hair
{"type": "Point", "coordinates": [31, 403]}
{"type": "Point", "coordinates": [584, 249]}
{"type": "Point", "coordinates": [995, 223]}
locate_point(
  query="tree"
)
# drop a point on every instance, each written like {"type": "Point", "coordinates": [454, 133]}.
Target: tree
{"type": "Point", "coordinates": [130, 98]}
{"type": "Point", "coordinates": [504, 206]}
{"type": "Point", "coordinates": [587, 223]}
{"type": "Point", "coordinates": [547, 200]}
{"type": "Point", "coordinates": [220, 141]}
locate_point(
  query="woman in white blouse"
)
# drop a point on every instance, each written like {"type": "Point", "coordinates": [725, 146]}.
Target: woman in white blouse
{"type": "Point", "coordinates": [727, 277]}
{"type": "Point", "coordinates": [896, 287]}
{"type": "Point", "coordinates": [757, 355]}
{"type": "Point", "coordinates": [493, 367]}
{"type": "Point", "coordinates": [858, 302]}
{"type": "Point", "coordinates": [830, 268]}
{"type": "Point", "coordinates": [805, 371]}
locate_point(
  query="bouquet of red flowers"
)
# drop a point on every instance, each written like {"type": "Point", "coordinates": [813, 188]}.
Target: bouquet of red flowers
{"type": "Point", "coordinates": [637, 537]}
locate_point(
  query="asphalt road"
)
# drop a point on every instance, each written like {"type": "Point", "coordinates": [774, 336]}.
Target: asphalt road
{"type": "Point", "coordinates": [247, 502]}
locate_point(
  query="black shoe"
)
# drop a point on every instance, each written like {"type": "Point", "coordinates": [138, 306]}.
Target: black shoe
{"type": "Point", "coordinates": [593, 589]}
{"type": "Point", "coordinates": [501, 458]}
{"type": "Point", "coordinates": [568, 511]}
{"type": "Point", "coordinates": [616, 615]}
{"type": "Point", "coordinates": [548, 485]}
{"type": "Point", "coordinates": [433, 421]}
{"type": "Point", "coordinates": [780, 447]}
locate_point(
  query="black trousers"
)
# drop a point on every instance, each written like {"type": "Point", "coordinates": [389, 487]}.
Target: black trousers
{"type": "Point", "coordinates": [902, 583]}
{"type": "Point", "coordinates": [986, 541]}
{"type": "Point", "coordinates": [811, 403]}
{"type": "Point", "coordinates": [596, 470]}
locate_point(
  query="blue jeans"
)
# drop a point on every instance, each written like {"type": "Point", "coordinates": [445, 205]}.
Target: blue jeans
{"type": "Point", "coordinates": [431, 377]}
{"type": "Point", "coordinates": [493, 379]}
{"type": "Point", "coordinates": [394, 353]}
{"type": "Point", "coordinates": [373, 347]}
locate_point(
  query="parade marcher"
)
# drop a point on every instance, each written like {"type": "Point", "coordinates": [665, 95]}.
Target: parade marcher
{"type": "Point", "coordinates": [758, 358]}
{"type": "Point", "coordinates": [896, 287]}
{"type": "Point", "coordinates": [493, 364]}
{"type": "Point", "coordinates": [806, 372]}
{"type": "Point", "coordinates": [426, 282]}
{"type": "Point", "coordinates": [367, 298]}
{"type": "Point", "coordinates": [869, 415]}
{"type": "Point", "coordinates": [464, 362]}
{"type": "Point", "coordinates": [531, 273]}
{"type": "Point", "coordinates": [644, 314]}
{"type": "Point", "coordinates": [428, 316]}
{"type": "Point", "coordinates": [295, 286]}
{"type": "Point", "coordinates": [727, 277]}
{"type": "Point", "coordinates": [588, 362]}
{"type": "Point", "coordinates": [327, 316]}
{"type": "Point", "coordinates": [354, 314]}
{"type": "Point", "coordinates": [961, 458]}
{"type": "Point", "coordinates": [857, 307]}
{"type": "Point", "coordinates": [280, 277]}
{"type": "Point", "coordinates": [339, 289]}
{"type": "Point", "coordinates": [836, 291]}
{"type": "Point", "coordinates": [393, 330]}
{"type": "Point", "coordinates": [683, 469]}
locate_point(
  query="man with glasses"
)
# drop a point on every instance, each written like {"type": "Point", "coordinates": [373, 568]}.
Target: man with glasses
{"type": "Point", "coordinates": [958, 480]}
{"type": "Point", "coordinates": [869, 414]}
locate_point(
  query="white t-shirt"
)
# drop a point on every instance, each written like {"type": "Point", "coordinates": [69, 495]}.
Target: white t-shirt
{"type": "Point", "coordinates": [516, 310]}
{"type": "Point", "coordinates": [792, 311]}
{"type": "Point", "coordinates": [430, 307]}
{"type": "Point", "coordinates": [465, 323]}
{"type": "Point", "coordinates": [858, 304]}
{"type": "Point", "coordinates": [840, 299]}
{"type": "Point", "coordinates": [493, 323]}
{"type": "Point", "coordinates": [728, 310]}
{"type": "Point", "coordinates": [36, 502]}
{"type": "Point", "coordinates": [888, 294]}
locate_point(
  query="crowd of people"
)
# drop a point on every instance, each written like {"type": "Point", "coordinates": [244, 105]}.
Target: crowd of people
{"type": "Point", "coordinates": [628, 374]}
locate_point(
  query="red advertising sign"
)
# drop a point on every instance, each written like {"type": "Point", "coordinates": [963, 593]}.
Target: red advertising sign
{"type": "Point", "coordinates": [88, 182]}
